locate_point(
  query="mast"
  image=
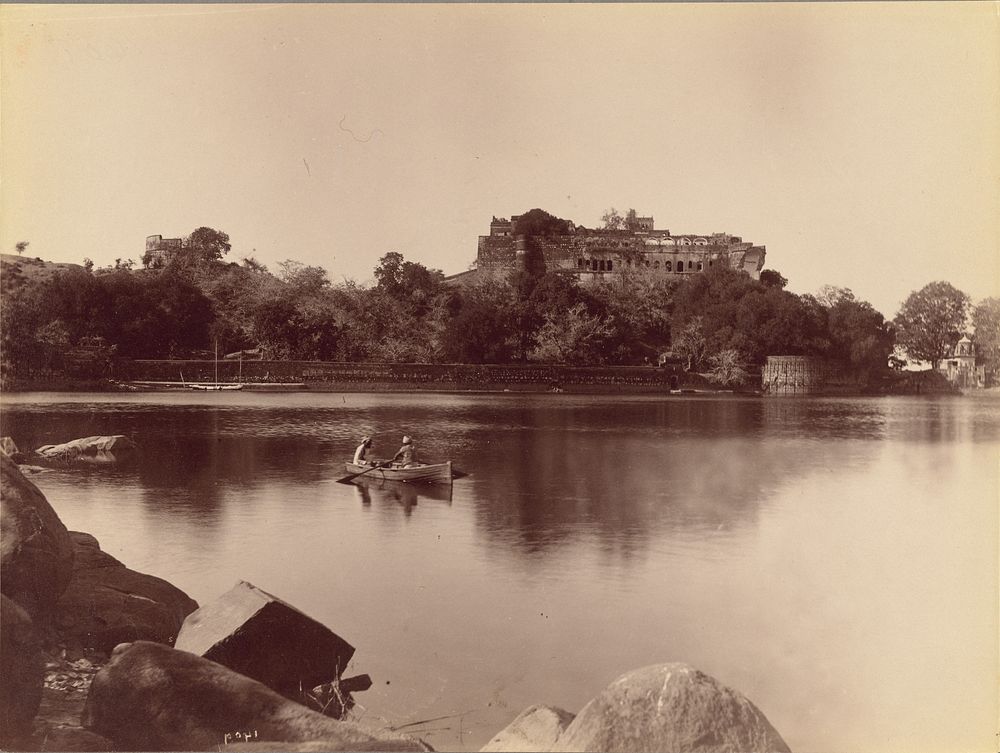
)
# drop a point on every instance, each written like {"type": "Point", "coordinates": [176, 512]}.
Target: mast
{"type": "Point", "coordinates": [216, 361]}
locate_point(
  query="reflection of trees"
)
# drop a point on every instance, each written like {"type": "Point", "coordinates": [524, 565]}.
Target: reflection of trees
{"type": "Point", "coordinates": [625, 472]}
{"type": "Point", "coordinates": [545, 469]}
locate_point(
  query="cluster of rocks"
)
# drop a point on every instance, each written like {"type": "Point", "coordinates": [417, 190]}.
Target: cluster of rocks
{"type": "Point", "coordinates": [111, 659]}
{"type": "Point", "coordinates": [247, 669]}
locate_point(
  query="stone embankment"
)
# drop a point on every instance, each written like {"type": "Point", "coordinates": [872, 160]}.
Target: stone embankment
{"type": "Point", "coordinates": [88, 663]}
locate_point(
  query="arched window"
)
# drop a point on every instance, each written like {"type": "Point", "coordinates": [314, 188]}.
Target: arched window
{"type": "Point", "coordinates": [593, 265]}
{"type": "Point", "coordinates": [602, 265]}
{"type": "Point", "coordinates": [670, 266]}
{"type": "Point", "coordinates": [610, 263]}
{"type": "Point", "coordinates": [699, 266]}
{"type": "Point", "coordinates": [690, 265]}
{"type": "Point", "coordinates": [656, 264]}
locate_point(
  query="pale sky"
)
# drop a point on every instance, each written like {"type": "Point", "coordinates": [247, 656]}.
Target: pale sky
{"type": "Point", "coordinates": [859, 142]}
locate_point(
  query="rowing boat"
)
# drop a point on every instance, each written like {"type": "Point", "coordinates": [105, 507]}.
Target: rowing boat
{"type": "Point", "coordinates": [437, 473]}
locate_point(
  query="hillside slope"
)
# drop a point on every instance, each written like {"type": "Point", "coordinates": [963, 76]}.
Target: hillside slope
{"type": "Point", "coordinates": [16, 271]}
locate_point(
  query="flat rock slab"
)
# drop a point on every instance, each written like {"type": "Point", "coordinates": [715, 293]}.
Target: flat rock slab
{"type": "Point", "coordinates": [108, 449]}
{"type": "Point", "coordinates": [260, 636]}
{"type": "Point", "coordinates": [151, 697]}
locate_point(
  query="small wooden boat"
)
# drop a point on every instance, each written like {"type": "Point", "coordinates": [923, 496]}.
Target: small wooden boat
{"type": "Point", "coordinates": [438, 473]}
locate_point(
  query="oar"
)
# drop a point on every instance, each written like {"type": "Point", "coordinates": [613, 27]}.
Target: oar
{"type": "Point", "coordinates": [345, 479]}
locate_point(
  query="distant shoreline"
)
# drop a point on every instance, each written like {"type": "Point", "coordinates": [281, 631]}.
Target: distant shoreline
{"type": "Point", "coordinates": [107, 387]}
{"type": "Point", "coordinates": [127, 376]}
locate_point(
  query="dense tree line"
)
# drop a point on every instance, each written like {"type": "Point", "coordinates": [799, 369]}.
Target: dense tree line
{"type": "Point", "coordinates": [720, 322]}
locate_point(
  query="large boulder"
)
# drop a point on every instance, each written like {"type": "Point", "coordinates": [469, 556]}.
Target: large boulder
{"type": "Point", "coordinates": [535, 729]}
{"type": "Point", "coordinates": [106, 603]}
{"type": "Point", "coordinates": [36, 553]}
{"type": "Point", "coordinates": [152, 697]}
{"type": "Point", "coordinates": [100, 449]}
{"type": "Point", "coordinates": [670, 707]}
{"type": "Point", "coordinates": [22, 671]}
{"type": "Point", "coordinates": [260, 636]}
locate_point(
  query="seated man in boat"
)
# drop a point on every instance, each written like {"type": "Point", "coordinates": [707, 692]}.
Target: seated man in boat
{"type": "Point", "coordinates": [359, 454]}
{"type": "Point", "coordinates": [407, 454]}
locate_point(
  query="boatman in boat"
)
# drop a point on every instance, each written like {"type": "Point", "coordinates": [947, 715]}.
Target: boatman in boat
{"type": "Point", "coordinates": [359, 454]}
{"type": "Point", "coordinates": [407, 454]}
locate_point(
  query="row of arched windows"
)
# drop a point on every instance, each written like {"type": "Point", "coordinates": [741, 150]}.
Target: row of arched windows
{"type": "Point", "coordinates": [595, 265]}
{"type": "Point", "coordinates": [607, 265]}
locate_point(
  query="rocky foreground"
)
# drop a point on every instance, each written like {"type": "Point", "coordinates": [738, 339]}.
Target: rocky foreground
{"type": "Point", "coordinates": [88, 663]}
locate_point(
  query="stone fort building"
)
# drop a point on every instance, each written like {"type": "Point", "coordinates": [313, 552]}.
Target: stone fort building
{"type": "Point", "coordinates": [610, 255]}
{"type": "Point", "coordinates": [159, 249]}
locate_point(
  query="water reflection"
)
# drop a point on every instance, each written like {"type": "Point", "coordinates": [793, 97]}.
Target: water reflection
{"type": "Point", "coordinates": [801, 550]}
{"type": "Point", "coordinates": [397, 492]}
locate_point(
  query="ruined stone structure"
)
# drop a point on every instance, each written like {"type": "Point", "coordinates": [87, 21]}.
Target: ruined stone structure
{"type": "Point", "coordinates": [158, 249]}
{"type": "Point", "coordinates": [960, 368]}
{"type": "Point", "coordinates": [794, 375]}
{"type": "Point", "coordinates": [607, 255]}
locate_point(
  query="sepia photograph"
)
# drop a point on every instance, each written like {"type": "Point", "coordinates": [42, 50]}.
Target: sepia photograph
{"type": "Point", "coordinates": [500, 377]}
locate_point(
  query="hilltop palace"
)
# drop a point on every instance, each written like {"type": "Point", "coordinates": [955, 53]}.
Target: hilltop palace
{"type": "Point", "coordinates": [605, 255]}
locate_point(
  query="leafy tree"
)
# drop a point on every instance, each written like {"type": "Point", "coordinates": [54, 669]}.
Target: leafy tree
{"type": "Point", "coordinates": [728, 368]}
{"type": "Point", "coordinates": [690, 342]}
{"type": "Point", "coordinates": [88, 264]}
{"type": "Point", "coordinates": [538, 223]}
{"type": "Point", "coordinates": [739, 312]}
{"type": "Point", "coordinates": [612, 220]}
{"type": "Point", "coordinates": [986, 329]}
{"type": "Point", "coordinates": [389, 273]}
{"type": "Point", "coordinates": [859, 336]}
{"type": "Point", "coordinates": [206, 244]}
{"type": "Point", "coordinates": [931, 320]}
{"type": "Point", "coordinates": [21, 247]}
{"type": "Point", "coordinates": [22, 312]}
{"type": "Point", "coordinates": [250, 263]}
{"type": "Point", "coordinates": [571, 336]}
{"type": "Point", "coordinates": [640, 311]}
{"type": "Point", "coordinates": [302, 277]}
{"type": "Point", "coordinates": [479, 325]}
{"type": "Point", "coordinates": [771, 278]}
{"type": "Point", "coordinates": [406, 280]}
{"type": "Point", "coordinates": [530, 229]}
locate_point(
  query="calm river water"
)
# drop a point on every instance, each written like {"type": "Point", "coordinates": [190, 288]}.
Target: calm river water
{"type": "Point", "coordinates": [833, 559]}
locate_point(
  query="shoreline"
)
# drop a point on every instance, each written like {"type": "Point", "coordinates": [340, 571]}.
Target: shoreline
{"type": "Point", "coordinates": [110, 387]}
